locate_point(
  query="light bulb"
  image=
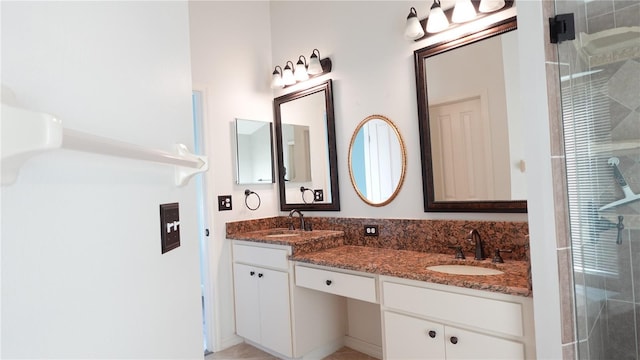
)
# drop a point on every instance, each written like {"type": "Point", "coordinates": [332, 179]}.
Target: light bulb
{"type": "Point", "coordinates": [413, 29]}
{"type": "Point", "coordinates": [463, 11]}
{"type": "Point", "coordinates": [437, 20]}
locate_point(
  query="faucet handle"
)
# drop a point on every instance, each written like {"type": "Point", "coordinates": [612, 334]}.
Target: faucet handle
{"type": "Point", "coordinates": [459, 253]}
{"type": "Point", "coordinates": [497, 258]}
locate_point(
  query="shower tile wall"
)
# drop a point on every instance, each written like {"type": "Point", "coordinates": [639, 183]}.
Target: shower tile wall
{"type": "Point", "coordinates": [607, 308]}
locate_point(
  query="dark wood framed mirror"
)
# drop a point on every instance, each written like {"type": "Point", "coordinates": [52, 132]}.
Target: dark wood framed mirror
{"type": "Point", "coordinates": [452, 167]}
{"type": "Point", "coordinates": [306, 149]}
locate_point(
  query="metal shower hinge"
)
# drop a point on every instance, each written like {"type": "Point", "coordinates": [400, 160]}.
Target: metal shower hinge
{"type": "Point", "coordinates": [562, 27]}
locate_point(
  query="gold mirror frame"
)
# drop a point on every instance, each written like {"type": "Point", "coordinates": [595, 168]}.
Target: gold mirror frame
{"type": "Point", "coordinates": [403, 153]}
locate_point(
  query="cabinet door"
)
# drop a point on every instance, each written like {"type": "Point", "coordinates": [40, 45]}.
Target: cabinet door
{"type": "Point", "coordinates": [472, 345]}
{"type": "Point", "coordinates": [247, 302]}
{"type": "Point", "coordinates": [406, 337]}
{"type": "Point", "coordinates": [275, 314]}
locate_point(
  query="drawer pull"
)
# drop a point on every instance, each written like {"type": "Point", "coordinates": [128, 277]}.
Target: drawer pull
{"type": "Point", "coordinates": [252, 273]}
{"type": "Point", "coordinates": [432, 334]}
{"type": "Point", "coordinates": [454, 340]}
{"type": "Point", "coordinates": [260, 275]}
{"type": "Point", "coordinates": [328, 282]}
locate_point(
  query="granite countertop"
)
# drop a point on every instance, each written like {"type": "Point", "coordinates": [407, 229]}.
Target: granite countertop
{"type": "Point", "coordinates": [413, 264]}
{"type": "Point", "coordinates": [300, 241]}
{"type": "Point", "coordinates": [326, 248]}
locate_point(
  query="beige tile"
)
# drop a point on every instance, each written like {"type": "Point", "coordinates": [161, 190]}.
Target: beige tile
{"type": "Point", "coordinates": [566, 297]}
{"type": "Point", "coordinates": [247, 352]}
{"type": "Point", "coordinates": [555, 109]}
{"type": "Point", "coordinates": [569, 351]}
{"type": "Point", "coordinates": [241, 351]}
{"type": "Point", "coordinates": [561, 202]}
{"type": "Point", "coordinates": [346, 353]}
{"type": "Point", "coordinates": [550, 50]}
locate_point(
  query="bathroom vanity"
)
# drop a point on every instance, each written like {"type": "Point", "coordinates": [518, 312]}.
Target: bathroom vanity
{"type": "Point", "coordinates": [291, 288]}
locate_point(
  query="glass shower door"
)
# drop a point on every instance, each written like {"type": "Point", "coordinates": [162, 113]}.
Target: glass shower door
{"type": "Point", "coordinates": [600, 96]}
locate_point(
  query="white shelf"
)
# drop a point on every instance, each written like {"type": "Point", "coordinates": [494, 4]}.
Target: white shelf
{"type": "Point", "coordinates": [26, 133]}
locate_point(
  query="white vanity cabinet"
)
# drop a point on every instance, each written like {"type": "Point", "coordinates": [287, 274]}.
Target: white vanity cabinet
{"type": "Point", "coordinates": [274, 314]}
{"type": "Point", "coordinates": [263, 311]}
{"type": "Point", "coordinates": [431, 321]}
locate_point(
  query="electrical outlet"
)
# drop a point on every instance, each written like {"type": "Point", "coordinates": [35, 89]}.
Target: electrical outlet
{"type": "Point", "coordinates": [371, 230]}
{"type": "Point", "coordinates": [318, 195]}
{"type": "Point", "coordinates": [224, 202]}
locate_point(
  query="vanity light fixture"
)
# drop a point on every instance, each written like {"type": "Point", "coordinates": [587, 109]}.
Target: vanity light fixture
{"type": "Point", "coordinates": [413, 30]}
{"type": "Point", "coordinates": [487, 6]}
{"type": "Point", "coordinates": [300, 74]}
{"type": "Point", "coordinates": [301, 71]}
{"type": "Point", "coordinates": [463, 11]}
{"type": "Point", "coordinates": [440, 20]}
{"type": "Point", "coordinates": [276, 78]}
{"type": "Point", "coordinates": [437, 20]}
{"type": "Point", "coordinates": [287, 74]}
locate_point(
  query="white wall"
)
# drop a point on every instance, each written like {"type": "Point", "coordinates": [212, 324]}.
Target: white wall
{"type": "Point", "coordinates": [82, 271]}
{"type": "Point", "coordinates": [231, 63]}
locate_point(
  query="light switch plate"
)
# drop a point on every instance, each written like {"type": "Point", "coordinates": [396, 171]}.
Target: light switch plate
{"type": "Point", "coordinates": [224, 202]}
{"type": "Point", "coordinates": [169, 226]}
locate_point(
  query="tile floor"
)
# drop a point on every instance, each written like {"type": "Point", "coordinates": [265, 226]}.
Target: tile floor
{"type": "Point", "coordinates": [247, 352]}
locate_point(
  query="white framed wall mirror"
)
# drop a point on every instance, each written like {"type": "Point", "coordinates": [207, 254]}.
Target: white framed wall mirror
{"type": "Point", "coordinates": [254, 152]}
{"type": "Point", "coordinates": [377, 160]}
{"type": "Point", "coordinates": [470, 130]}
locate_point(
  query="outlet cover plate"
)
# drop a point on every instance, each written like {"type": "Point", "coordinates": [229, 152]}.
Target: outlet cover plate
{"type": "Point", "coordinates": [224, 202]}
{"type": "Point", "coordinates": [318, 195]}
{"type": "Point", "coordinates": [371, 230]}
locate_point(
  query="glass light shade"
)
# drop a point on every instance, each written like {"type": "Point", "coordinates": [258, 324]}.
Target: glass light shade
{"type": "Point", "coordinates": [463, 11]}
{"type": "Point", "coordinates": [276, 81]}
{"type": "Point", "coordinates": [301, 71]}
{"type": "Point", "coordinates": [287, 75]}
{"type": "Point", "coordinates": [413, 29]}
{"type": "Point", "coordinates": [437, 20]}
{"type": "Point", "coordinates": [276, 78]}
{"type": "Point", "coordinates": [315, 67]}
{"type": "Point", "coordinates": [487, 6]}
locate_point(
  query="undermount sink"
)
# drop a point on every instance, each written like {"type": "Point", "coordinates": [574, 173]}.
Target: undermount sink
{"type": "Point", "coordinates": [464, 270]}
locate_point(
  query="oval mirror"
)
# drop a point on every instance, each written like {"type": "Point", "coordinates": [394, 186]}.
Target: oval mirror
{"type": "Point", "coordinates": [377, 160]}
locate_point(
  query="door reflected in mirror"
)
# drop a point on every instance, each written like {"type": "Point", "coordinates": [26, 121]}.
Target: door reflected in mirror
{"type": "Point", "coordinates": [377, 160]}
{"type": "Point", "coordinates": [476, 132]}
{"type": "Point", "coordinates": [254, 152]}
{"type": "Point", "coordinates": [296, 153]}
{"type": "Point", "coordinates": [305, 141]}
{"type": "Point", "coordinates": [469, 116]}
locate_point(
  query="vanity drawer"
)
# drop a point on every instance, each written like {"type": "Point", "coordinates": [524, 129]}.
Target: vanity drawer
{"type": "Point", "coordinates": [343, 284]}
{"type": "Point", "coordinates": [261, 256]}
{"type": "Point", "coordinates": [490, 314]}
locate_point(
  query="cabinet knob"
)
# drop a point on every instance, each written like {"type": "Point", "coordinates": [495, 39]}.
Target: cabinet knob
{"type": "Point", "coordinates": [454, 340]}
{"type": "Point", "coordinates": [432, 334]}
{"type": "Point", "coordinates": [252, 273]}
{"type": "Point", "coordinates": [328, 282]}
{"type": "Point", "coordinates": [260, 275]}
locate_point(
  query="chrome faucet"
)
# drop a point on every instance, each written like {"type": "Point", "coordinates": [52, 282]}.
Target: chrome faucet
{"type": "Point", "coordinates": [291, 227]}
{"type": "Point", "coordinates": [474, 236]}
